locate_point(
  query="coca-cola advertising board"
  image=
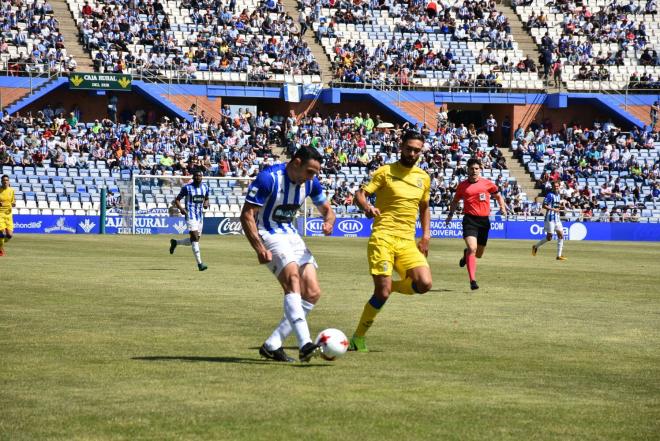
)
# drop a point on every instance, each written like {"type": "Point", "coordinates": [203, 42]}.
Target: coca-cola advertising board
{"type": "Point", "coordinates": [222, 225]}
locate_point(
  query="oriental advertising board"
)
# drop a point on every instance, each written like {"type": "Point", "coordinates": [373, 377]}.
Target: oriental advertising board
{"type": "Point", "coordinates": [100, 81]}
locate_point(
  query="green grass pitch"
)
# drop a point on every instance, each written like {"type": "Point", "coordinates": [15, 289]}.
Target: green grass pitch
{"type": "Point", "coordinates": [111, 338]}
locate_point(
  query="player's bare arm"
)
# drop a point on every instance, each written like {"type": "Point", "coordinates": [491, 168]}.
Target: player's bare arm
{"type": "Point", "coordinates": [501, 203]}
{"type": "Point", "coordinates": [249, 223]}
{"type": "Point", "coordinates": [328, 217]}
{"type": "Point", "coordinates": [361, 200]}
{"type": "Point", "coordinates": [425, 220]}
{"type": "Point", "coordinates": [452, 208]}
{"type": "Point", "coordinates": [180, 206]}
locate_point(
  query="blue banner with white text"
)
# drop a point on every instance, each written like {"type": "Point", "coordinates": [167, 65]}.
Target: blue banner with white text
{"type": "Point", "coordinates": [344, 227]}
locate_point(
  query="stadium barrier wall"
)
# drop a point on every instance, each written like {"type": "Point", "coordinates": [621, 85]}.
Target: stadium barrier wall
{"type": "Point", "coordinates": [344, 227]}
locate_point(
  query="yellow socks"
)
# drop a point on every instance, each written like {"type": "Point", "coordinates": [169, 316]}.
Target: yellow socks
{"type": "Point", "coordinates": [403, 286]}
{"type": "Point", "coordinates": [371, 310]}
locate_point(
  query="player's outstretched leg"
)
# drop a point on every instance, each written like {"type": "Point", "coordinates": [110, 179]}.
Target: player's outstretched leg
{"type": "Point", "coordinates": [471, 263]}
{"type": "Point", "coordinates": [294, 312]}
{"type": "Point", "coordinates": [194, 243]}
{"type": "Point", "coordinates": [461, 263]}
{"type": "Point", "coordinates": [560, 248]}
{"type": "Point", "coordinates": [371, 309]}
{"type": "Point", "coordinates": [540, 243]}
{"type": "Point", "coordinates": [281, 332]}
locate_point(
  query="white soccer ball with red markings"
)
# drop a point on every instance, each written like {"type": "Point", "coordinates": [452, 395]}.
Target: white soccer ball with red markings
{"type": "Point", "coordinates": [333, 343]}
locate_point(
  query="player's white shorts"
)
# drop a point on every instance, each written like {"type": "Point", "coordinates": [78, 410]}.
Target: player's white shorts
{"type": "Point", "coordinates": [551, 227]}
{"type": "Point", "coordinates": [287, 248]}
{"type": "Point", "coordinates": [195, 225]}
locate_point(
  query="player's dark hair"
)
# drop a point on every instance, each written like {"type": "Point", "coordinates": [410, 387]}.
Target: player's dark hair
{"type": "Point", "coordinates": [307, 153]}
{"type": "Point", "coordinates": [473, 161]}
{"type": "Point", "coordinates": [412, 134]}
{"type": "Point", "coordinates": [5, 176]}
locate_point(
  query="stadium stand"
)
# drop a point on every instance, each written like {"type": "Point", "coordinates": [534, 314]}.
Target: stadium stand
{"type": "Point", "coordinates": [31, 42]}
{"type": "Point", "coordinates": [196, 40]}
{"type": "Point", "coordinates": [59, 165]}
{"type": "Point", "coordinates": [601, 44]}
{"type": "Point", "coordinates": [421, 44]}
{"type": "Point", "coordinates": [606, 174]}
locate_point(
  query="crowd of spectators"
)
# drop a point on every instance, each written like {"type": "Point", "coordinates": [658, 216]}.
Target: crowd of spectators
{"type": "Point", "coordinates": [30, 35]}
{"type": "Point", "coordinates": [575, 154]}
{"type": "Point", "coordinates": [54, 137]}
{"type": "Point", "coordinates": [616, 23]}
{"type": "Point", "coordinates": [645, 81]}
{"type": "Point", "coordinates": [353, 145]}
{"type": "Point", "coordinates": [261, 42]}
{"type": "Point", "coordinates": [344, 141]}
{"type": "Point", "coordinates": [397, 61]}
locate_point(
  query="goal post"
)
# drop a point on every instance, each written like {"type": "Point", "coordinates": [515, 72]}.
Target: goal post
{"type": "Point", "coordinates": [152, 196]}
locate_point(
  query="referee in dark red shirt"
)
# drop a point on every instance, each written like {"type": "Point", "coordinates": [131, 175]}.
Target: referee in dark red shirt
{"type": "Point", "coordinates": [475, 192]}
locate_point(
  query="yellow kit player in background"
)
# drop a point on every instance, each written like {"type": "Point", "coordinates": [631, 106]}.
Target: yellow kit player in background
{"type": "Point", "coordinates": [402, 190]}
{"type": "Point", "coordinates": [7, 201]}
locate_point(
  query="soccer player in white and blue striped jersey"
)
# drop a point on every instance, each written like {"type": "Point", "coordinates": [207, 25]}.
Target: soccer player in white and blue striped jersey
{"type": "Point", "coordinates": [552, 205]}
{"type": "Point", "coordinates": [195, 195]}
{"type": "Point", "coordinates": [270, 208]}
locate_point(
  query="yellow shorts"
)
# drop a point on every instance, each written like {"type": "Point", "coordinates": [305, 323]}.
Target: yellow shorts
{"type": "Point", "coordinates": [386, 253]}
{"type": "Point", "coordinates": [6, 222]}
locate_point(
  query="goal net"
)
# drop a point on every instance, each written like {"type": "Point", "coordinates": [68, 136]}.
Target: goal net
{"type": "Point", "coordinates": [146, 203]}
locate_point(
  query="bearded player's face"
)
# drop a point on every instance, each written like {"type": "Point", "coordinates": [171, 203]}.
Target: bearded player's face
{"type": "Point", "coordinates": [410, 152]}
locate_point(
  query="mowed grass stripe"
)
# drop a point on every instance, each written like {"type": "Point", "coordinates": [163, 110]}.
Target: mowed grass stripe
{"type": "Point", "coordinates": [112, 338]}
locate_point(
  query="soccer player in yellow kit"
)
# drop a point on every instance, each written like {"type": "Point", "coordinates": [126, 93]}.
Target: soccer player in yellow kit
{"type": "Point", "coordinates": [7, 201]}
{"type": "Point", "coordinates": [401, 191]}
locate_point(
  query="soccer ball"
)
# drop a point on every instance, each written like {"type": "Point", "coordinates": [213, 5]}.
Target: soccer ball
{"type": "Point", "coordinates": [333, 343]}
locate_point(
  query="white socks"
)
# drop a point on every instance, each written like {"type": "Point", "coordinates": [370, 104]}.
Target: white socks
{"type": "Point", "coordinates": [276, 339]}
{"type": "Point", "coordinates": [185, 241]}
{"type": "Point", "coordinates": [560, 247]}
{"type": "Point", "coordinates": [195, 249]}
{"type": "Point", "coordinates": [294, 312]}
{"type": "Point", "coordinates": [540, 243]}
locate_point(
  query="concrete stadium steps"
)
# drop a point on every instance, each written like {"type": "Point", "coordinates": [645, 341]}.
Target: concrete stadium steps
{"type": "Point", "coordinates": [423, 112]}
{"type": "Point", "coordinates": [34, 94]}
{"type": "Point", "coordinates": [70, 32]}
{"type": "Point", "coordinates": [9, 95]}
{"type": "Point", "coordinates": [210, 106]}
{"type": "Point", "coordinates": [325, 66]}
{"type": "Point", "coordinates": [523, 177]}
{"type": "Point", "coordinates": [525, 42]}
{"type": "Point", "coordinates": [640, 112]}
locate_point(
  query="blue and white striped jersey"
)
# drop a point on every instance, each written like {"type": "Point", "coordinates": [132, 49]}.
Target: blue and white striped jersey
{"type": "Point", "coordinates": [280, 198]}
{"type": "Point", "coordinates": [552, 200]}
{"type": "Point", "coordinates": [194, 200]}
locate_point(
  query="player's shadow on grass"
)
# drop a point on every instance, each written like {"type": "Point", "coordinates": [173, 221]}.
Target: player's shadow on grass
{"type": "Point", "coordinates": [240, 360]}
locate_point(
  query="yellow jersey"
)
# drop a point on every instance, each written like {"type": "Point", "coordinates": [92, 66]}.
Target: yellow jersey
{"type": "Point", "coordinates": [398, 190]}
{"type": "Point", "coordinates": [7, 199]}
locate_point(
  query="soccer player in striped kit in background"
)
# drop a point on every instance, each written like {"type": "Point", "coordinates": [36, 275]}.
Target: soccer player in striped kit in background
{"type": "Point", "coordinates": [196, 195]}
{"type": "Point", "coordinates": [552, 205]}
{"type": "Point", "coordinates": [475, 192]}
